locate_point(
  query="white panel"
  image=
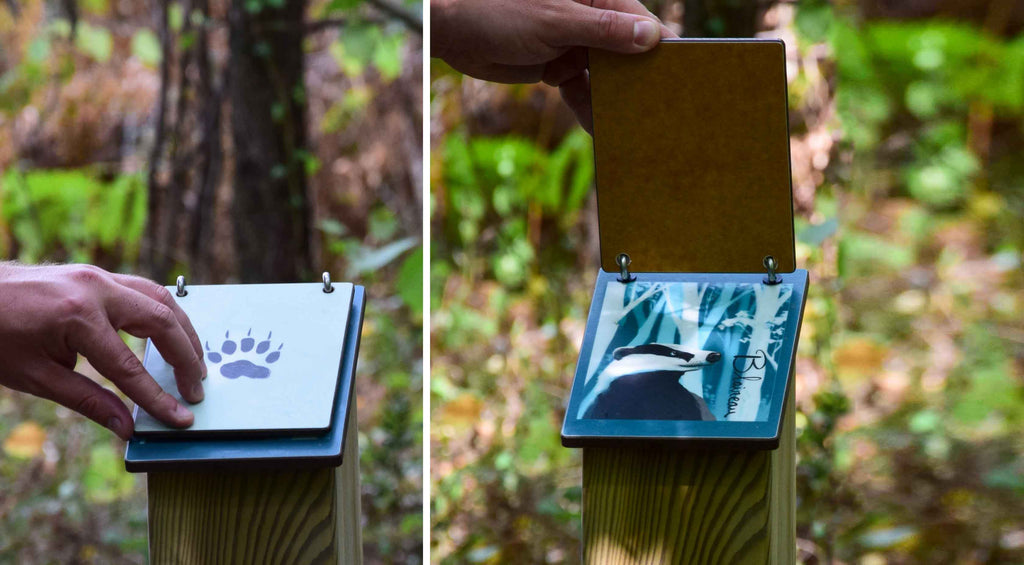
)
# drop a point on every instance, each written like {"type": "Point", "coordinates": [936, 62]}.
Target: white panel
{"type": "Point", "coordinates": [272, 352]}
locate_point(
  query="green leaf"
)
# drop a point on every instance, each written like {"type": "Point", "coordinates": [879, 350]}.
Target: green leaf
{"type": "Point", "coordinates": [382, 224]}
{"type": "Point", "coordinates": [410, 280]}
{"type": "Point", "coordinates": [104, 480]}
{"type": "Point", "coordinates": [354, 50]}
{"type": "Point", "coordinates": [73, 211]}
{"type": "Point", "coordinates": [366, 260]}
{"type": "Point", "coordinates": [924, 98]}
{"type": "Point", "coordinates": [925, 421]}
{"type": "Point", "coordinates": [95, 7]}
{"type": "Point", "coordinates": [121, 213]}
{"type": "Point", "coordinates": [95, 42]}
{"type": "Point", "coordinates": [583, 174]}
{"type": "Point", "coordinates": [813, 20]}
{"type": "Point", "coordinates": [943, 179]}
{"type": "Point", "coordinates": [816, 234]}
{"type": "Point", "coordinates": [387, 56]}
{"type": "Point", "coordinates": [541, 437]}
{"type": "Point", "coordinates": [862, 254]}
{"type": "Point", "coordinates": [342, 112]}
{"type": "Point", "coordinates": [175, 17]}
{"type": "Point", "coordinates": [146, 47]}
{"type": "Point", "coordinates": [342, 5]}
{"type": "Point", "coordinates": [1007, 477]}
{"type": "Point", "coordinates": [990, 398]}
{"type": "Point", "coordinates": [333, 227]}
{"type": "Point", "coordinates": [513, 265]}
{"type": "Point", "coordinates": [38, 50]}
{"type": "Point", "coordinates": [991, 392]}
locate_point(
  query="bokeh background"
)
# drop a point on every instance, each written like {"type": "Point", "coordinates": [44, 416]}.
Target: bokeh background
{"type": "Point", "coordinates": [143, 137]}
{"type": "Point", "coordinates": [906, 133]}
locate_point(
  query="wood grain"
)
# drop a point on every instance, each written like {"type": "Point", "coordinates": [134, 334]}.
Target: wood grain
{"type": "Point", "coordinates": [656, 506]}
{"type": "Point", "coordinates": [304, 516]}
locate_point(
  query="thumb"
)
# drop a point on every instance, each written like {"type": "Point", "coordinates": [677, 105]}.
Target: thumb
{"type": "Point", "coordinates": [610, 30]}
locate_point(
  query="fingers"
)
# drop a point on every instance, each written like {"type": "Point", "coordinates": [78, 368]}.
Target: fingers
{"type": "Point", "coordinates": [633, 7]}
{"type": "Point", "coordinates": [88, 398]}
{"type": "Point", "coordinates": [611, 29]}
{"type": "Point", "coordinates": [569, 74]}
{"type": "Point", "coordinates": [163, 296]}
{"type": "Point", "coordinates": [573, 62]}
{"type": "Point", "coordinates": [142, 316]}
{"type": "Point", "coordinates": [576, 94]}
{"type": "Point", "coordinates": [111, 357]}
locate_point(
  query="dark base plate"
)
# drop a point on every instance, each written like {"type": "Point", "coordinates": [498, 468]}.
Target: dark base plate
{"type": "Point", "coordinates": [145, 455]}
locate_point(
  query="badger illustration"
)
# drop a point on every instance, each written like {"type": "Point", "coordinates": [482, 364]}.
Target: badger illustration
{"type": "Point", "coordinates": [644, 383]}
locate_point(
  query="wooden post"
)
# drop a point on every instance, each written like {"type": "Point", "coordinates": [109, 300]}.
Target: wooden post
{"type": "Point", "coordinates": [695, 506]}
{"type": "Point", "coordinates": [287, 516]}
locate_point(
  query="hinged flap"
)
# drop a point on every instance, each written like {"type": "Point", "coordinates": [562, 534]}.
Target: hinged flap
{"type": "Point", "coordinates": [273, 353]}
{"type": "Point", "coordinates": [691, 148]}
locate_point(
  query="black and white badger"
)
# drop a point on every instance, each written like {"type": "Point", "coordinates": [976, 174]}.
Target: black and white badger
{"type": "Point", "coordinates": [644, 383]}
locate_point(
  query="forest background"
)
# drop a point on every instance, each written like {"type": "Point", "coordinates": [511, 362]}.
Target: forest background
{"type": "Point", "coordinates": [229, 141]}
{"type": "Point", "coordinates": [907, 127]}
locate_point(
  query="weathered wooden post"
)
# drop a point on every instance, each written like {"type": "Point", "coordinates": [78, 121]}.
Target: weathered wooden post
{"type": "Point", "coordinates": [683, 399]}
{"type": "Point", "coordinates": [651, 505]}
{"type": "Point", "coordinates": [282, 496]}
{"type": "Point", "coordinates": [258, 516]}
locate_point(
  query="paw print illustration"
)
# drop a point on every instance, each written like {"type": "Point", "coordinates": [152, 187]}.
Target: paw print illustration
{"type": "Point", "coordinates": [250, 359]}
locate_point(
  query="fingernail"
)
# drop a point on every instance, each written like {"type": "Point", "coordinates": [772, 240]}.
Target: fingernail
{"type": "Point", "coordinates": [182, 413]}
{"type": "Point", "coordinates": [645, 33]}
{"type": "Point", "coordinates": [197, 392]}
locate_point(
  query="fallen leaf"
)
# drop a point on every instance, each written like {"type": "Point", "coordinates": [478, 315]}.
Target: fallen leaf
{"type": "Point", "coordinates": [859, 357]}
{"type": "Point", "coordinates": [461, 412]}
{"type": "Point", "coordinates": [25, 441]}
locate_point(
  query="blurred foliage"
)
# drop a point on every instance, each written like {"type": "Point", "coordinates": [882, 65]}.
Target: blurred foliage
{"type": "Point", "coordinates": [71, 215]}
{"type": "Point", "coordinates": [506, 211]}
{"type": "Point", "coordinates": [369, 44]}
{"type": "Point", "coordinates": [67, 498]}
{"type": "Point", "coordinates": [906, 138]}
{"type": "Point", "coordinates": [510, 185]}
{"type": "Point", "coordinates": [76, 116]}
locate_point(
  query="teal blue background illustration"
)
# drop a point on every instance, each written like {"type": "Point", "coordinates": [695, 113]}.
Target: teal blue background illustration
{"type": "Point", "coordinates": [734, 319]}
{"type": "Point", "coordinates": [754, 326]}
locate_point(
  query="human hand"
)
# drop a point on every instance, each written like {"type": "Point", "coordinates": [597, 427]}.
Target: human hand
{"type": "Point", "coordinates": [530, 40]}
{"type": "Point", "coordinates": [50, 314]}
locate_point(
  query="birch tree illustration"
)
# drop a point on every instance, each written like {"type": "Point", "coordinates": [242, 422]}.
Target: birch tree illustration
{"type": "Point", "coordinates": [734, 319]}
{"type": "Point", "coordinates": [761, 328]}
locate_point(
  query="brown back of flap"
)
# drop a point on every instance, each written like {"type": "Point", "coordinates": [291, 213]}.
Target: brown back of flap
{"type": "Point", "coordinates": [691, 149]}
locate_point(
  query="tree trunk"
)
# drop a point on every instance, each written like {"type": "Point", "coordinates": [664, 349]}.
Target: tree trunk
{"type": "Point", "coordinates": [156, 255]}
{"type": "Point", "coordinates": [210, 152]}
{"type": "Point", "coordinates": [271, 210]}
{"type": "Point", "coordinates": [186, 159]}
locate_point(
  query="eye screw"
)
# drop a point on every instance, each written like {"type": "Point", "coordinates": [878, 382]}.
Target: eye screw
{"type": "Point", "coordinates": [623, 261]}
{"type": "Point", "coordinates": [771, 265]}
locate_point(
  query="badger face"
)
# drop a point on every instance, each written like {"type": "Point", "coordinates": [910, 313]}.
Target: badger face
{"type": "Point", "coordinates": [652, 357]}
{"type": "Point", "coordinates": [647, 358]}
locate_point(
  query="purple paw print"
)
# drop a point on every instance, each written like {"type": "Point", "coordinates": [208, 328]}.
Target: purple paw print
{"type": "Point", "coordinates": [246, 358]}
